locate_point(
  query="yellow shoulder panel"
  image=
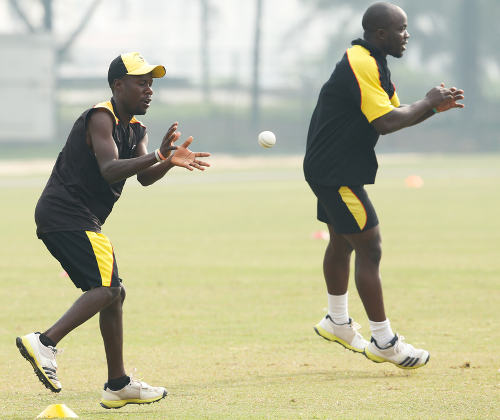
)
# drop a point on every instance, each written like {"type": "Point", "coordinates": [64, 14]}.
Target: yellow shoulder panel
{"type": "Point", "coordinates": [107, 105]}
{"type": "Point", "coordinates": [136, 121]}
{"type": "Point", "coordinates": [374, 100]}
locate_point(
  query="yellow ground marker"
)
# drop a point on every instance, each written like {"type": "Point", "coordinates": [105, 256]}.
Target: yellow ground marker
{"type": "Point", "coordinates": [57, 411]}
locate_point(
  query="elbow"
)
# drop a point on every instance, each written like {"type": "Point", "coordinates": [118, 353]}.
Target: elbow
{"type": "Point", "coordinates": [383, 128]}
{"type": "Point", "coordinates": [385, 131]}
{"type": "Point", "coordinates": [144, 180]}
{"type": "Point", "coordinates": [108, 178]}
{"type": "Point", "coordinates": [108, 174]}
{"type": "Point", "coordinates": [388, 123]}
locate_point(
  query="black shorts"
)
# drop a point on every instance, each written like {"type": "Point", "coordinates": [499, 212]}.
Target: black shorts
{"type": "Point", "coordinates": [347, 209]}
{"type": "Point", "coordinates": [86, 256]}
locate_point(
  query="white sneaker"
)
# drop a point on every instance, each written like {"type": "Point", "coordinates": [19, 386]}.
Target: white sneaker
{"type": "Point", "coordinates": [344, 334]}
{"type": "Point", "coordinates": [42, 358]}
{"type": "Point", "coordinates": [135, 392]}
{"type": "Point", "coordinates": [398, 352]}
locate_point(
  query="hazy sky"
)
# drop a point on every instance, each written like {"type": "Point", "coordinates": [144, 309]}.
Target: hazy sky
{"type": "Point", "coordinates": [168, 32]}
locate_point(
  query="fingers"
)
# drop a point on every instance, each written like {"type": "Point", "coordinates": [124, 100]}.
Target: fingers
{"type": "Point", "coordinates": [453, 90]}
{"type": "Point", "coordinates": [199, 164]}
{"type": "Point", "coordinates": [188, 159]}
{"type": "Point", "coordinates": [188, 141]}
{"type": "Point", "coordinates": [170, 138]}
{"type": "Point", "coordinates": [172, 128]}
{"type": "Point", "coordinates": [175, 136]}
{"type": "Point", "coordinates": [171, 131]}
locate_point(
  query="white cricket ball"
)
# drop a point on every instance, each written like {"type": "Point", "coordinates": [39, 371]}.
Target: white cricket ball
{"type": "Point", "coordinates": [267, 139]}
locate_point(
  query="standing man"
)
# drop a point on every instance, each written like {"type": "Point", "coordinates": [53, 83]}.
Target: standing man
{"type": "Point", "coordinates": [356, 105]}
{"type": "Point", "coordinates": [106, 146]}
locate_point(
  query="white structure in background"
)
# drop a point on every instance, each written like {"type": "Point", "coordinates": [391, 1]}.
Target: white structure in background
{"type": "Point", "coordinates": [27, 109]}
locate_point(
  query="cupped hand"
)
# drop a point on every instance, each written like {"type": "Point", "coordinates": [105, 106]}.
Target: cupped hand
{"type": "Point", "coordinates": [451, 102]}
{"type": "Point", "coordinates": [188, 159]}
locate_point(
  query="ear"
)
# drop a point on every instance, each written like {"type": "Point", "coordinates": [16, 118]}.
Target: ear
{"type": "Point", "coordinates": [381, 34]}
{"type": "Point", "coordinates": [117, 84]}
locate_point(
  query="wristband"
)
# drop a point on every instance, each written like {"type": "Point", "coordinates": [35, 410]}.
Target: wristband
{"type": "Point", "coordinates": [159, 156]}
{"type": "Point", "coordinates": [435, 110]}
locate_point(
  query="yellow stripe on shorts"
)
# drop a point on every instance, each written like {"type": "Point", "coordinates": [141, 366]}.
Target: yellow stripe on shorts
{"type": "Point", "coordinates": [103, 251]}
{"type": "Point", "coordinates": [354, 205]}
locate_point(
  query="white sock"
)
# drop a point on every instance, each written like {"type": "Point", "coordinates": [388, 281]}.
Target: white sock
{"type": "Point", "coordinates": [337, 308]}
{"type": "Point", "coordinates": [381, 332]}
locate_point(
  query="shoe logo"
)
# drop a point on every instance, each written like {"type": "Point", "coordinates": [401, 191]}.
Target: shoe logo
{"type": "Point", "coordinates": [409, 362]}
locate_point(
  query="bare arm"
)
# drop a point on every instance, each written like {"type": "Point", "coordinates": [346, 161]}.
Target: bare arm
{"type": "Point", "coordinates": [113, 169]}
{"type": "Point", "coordinates": [428, 114]}
{"type": "Point", "coordinates": [438, 97]}
{"type": "Point", "coordinates": [100, 139]}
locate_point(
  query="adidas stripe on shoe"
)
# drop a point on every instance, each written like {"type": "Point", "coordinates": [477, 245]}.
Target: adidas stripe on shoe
{"type": "Point", "coordinates": [397, 352]}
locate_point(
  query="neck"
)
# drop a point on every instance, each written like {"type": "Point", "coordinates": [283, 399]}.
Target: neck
{"type": "Point", "coordinates": [376, 43]}
{"type": "Point", "coordinates": [123, 115]}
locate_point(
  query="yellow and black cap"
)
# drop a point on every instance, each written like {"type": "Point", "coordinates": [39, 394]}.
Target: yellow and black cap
{"type": "Point", "coordinates": [132, 64]}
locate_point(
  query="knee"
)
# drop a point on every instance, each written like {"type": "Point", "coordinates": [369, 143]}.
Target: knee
{"type": "Point", "coordinates": [374, 252]}
{"type": "Point", "coordinates": [339, 250]}
{"type": "Point", "coordinates": [112, 293]}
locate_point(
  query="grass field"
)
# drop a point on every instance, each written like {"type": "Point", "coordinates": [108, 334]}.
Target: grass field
{"type": "Point", "coordinates": [224, 286]}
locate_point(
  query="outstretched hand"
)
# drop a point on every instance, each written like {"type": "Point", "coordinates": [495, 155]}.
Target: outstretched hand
{"type": "Point", "coordinates": [181, 155]}
{"type": "Point", "coordinates": [187, 158]}
{"type": "Point", "coordinates": [451, 102]}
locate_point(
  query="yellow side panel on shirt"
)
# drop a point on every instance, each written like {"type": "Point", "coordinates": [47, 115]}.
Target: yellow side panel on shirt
{"type": "Point", "coordinates": [374, 99]}
{"type": "Point", "coordinates": [395, 100]}
{"type": "Point", "coordinates": [354, 205]}
{"type": "Point", "coordinates": [103, 251]}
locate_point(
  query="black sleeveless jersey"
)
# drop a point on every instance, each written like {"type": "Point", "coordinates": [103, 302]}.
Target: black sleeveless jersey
{"type": "Point", "coordinates": [76, 196]}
